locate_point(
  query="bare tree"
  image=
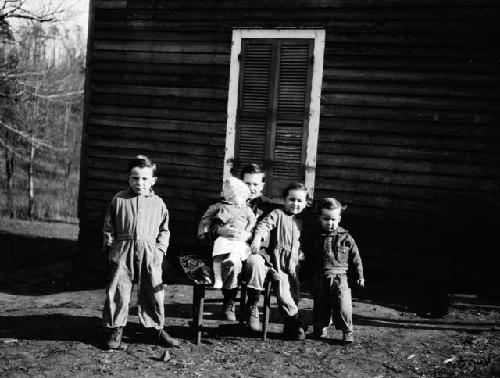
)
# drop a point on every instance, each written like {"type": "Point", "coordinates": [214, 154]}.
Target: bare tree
{"type": "Point", "coordinates": [39, 99]}
{"type": "Point", "coordinates": [24, 9]}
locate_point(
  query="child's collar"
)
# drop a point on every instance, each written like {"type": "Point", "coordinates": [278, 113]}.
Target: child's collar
{"type": "Point", "coordinates": [134, 194]}
{"type": "Point", "coordinates": [338, 230]}
{"type": "Point", "coordinates": [292, 215]}
{"type": "Point", "coordinates": [232, 203]}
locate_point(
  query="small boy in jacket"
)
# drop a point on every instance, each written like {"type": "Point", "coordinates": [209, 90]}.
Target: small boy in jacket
{"type": "Point", "coordinates": [330, 251]}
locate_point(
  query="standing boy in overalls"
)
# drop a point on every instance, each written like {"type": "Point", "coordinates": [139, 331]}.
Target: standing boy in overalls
{"type": "Point", "coordinates": [137, 236]}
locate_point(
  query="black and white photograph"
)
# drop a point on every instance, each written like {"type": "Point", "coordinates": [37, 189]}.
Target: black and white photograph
{"type": "Point", "coordinates": [250, 188]}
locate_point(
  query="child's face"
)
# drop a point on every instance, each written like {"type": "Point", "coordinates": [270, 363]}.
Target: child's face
{"type": "Point", "coordinates": [239, 199]}
{"type": "Point", "coordinates": [141, 180]}
{"type": "Point", "coordinates": [295, 201]}
{"type": "Point", "coordinates": [255, 183]}
{"type": "Point", "coordinates": [329, 219]}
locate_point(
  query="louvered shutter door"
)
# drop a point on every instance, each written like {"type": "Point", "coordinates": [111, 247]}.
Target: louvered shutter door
{"type": "Point", "coordinates": [292, 116]}
{"type": "Point", "coordinates": [273, 108]}
{"type": "Point", "coordinates": [253, 105]}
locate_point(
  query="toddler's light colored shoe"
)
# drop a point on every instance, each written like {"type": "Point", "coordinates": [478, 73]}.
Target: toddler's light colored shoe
{"type": "Point", "coordinates": [253, 318]}
{"type": "Point", "coordinates": [228, 310]}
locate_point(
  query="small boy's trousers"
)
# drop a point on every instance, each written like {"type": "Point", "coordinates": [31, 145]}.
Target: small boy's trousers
{"type": "Point", "coordinates": [255, 272]}
{"type": "Point", "coordinates": [286, 289]}
{"type": "Point", "coordinates": [332, 296]}
{"type": "Point", "coordinates": [138, 261]}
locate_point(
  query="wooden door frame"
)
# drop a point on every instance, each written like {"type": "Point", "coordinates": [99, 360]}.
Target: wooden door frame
{"type": "Point", "coordinates": [318, 35]}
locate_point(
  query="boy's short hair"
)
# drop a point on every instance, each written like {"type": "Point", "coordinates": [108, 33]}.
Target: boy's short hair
{"type": "Point", "coordinates": [141, 161]}
{"type": "Point", "coordinates": [295, 186]}
{"type": "Point", "coordinates": [330, 204]}
{"type": "Point", "coordinates": [251, 169]}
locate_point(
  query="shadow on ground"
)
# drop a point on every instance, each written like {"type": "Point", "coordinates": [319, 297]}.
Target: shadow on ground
{"type": "Point", "coordinates": [34, 265]}
{"type": "Point", "coordinates": [55, 327]}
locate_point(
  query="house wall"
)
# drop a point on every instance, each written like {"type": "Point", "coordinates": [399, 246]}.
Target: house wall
{"type": "Point", "coordinates": [409, 131]}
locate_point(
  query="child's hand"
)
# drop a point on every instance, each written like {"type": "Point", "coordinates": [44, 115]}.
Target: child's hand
{"type": "Point", "coordinates": [361, 282]}
{"type": "Point", "coordinates": [255, 247]}
{"type": "Point", "coordinates": [301, 255]}
{"type": "Point", "coordinates": [226, 232]}
{"type": "Point", "coordinates": [245, 235]}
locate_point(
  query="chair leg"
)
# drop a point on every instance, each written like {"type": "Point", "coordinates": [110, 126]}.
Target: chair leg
{"type": "Point", "coordinates": [198, 308]}
{"type": "Point", "coordinates": [243, 301]}
{"type": "Point", "coordinates": [267, 309]}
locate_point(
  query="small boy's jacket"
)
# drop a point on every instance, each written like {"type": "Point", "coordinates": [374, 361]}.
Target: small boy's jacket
{"type": "Point", "coordinates": [132, 217]}
{"type": "Point", "coordinates": [332, 252]}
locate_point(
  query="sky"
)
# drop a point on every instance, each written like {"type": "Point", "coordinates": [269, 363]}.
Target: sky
{"type": "Point", "coordinates": [76, 11]}
{"type": "Point", "coordinates": [81, 14]}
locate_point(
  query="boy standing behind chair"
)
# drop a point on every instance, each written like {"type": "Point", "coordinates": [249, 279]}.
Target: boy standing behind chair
{"type": "Point", "coordinates": [330, 250]}
{"type": "Point", "coordinates": [137, 236]}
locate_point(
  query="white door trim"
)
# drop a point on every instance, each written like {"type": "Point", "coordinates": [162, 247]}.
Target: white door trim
{"type": "Point", "coordinates": [314, 109]}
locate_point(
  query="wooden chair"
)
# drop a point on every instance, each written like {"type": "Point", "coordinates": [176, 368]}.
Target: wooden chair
{"type": "Point", "coordinates": [195, 266]}
{"type": "Point", "coordinates": [199, 291]}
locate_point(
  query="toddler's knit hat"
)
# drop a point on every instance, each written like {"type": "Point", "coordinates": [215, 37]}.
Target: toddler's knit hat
{"type": "Point", "coordinates": [234, 187]}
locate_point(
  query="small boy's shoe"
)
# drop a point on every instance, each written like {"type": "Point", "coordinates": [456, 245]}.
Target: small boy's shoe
{"type": "Point", "coordinates": [300, 334]}
{"type": "Point", "coordinates": [164, 339]}
{"type": "Point", "coordinates": [293, 329]}
{"type": "Point", "coordinates": [348, 337]}
{"type": "Point", "coordinates": [114, 338]}
{"type": "Point", "coordinates": [273, 275]}
{"type": "Point", "coordinates": [253, 318]}
{"type": "Point", "coordinates": [228, 310]}
{"type": "Point", "coordinates": [320, 333]}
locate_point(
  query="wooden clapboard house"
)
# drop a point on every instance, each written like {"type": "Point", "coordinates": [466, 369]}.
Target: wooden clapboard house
{"type": "Point", "coordinates": [392, 106]}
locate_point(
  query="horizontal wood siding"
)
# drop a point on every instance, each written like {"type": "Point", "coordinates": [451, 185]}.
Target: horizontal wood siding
{"type": "Point", "coordinates": [409, 132]}
{"type": "Point", "coordinates": [409, 135]}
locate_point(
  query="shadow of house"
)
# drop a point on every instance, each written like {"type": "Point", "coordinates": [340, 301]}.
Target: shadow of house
{"type": "Point", "coordinates": [35, 265]}
{"type": "Point", "coordinates": [55, 327]}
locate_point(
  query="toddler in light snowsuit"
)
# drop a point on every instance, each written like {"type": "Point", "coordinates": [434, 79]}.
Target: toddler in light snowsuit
{"type": "Point", "coordinates": [284, 226]}
{"type": "Point", "coordinates": [330, 250]}
{"type": "Point", "coordinates": [136, 236]}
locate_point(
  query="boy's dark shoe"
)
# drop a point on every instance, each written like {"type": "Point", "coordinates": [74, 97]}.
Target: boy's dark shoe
{"type": "Point", "coordinates": [320, 333]}
{"type": "Point", "coordinates": [228, 309]}
{"type": "Point", "coordinates": [299, 333]}
{"type": "Point", "coordinates": [162, 338]}
{"type": "Point", "coordinates": [293, 329]}
{"type": "Point", "coordinates": [114, 338]}
{"type": "Point", "coordinates": [253, 318]}
{"type": "Point", "coordinates": [348, 337]}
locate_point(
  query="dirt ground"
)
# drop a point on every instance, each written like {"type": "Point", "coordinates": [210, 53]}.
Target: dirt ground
{"type": "Point", "coordinates": [48, 329]}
